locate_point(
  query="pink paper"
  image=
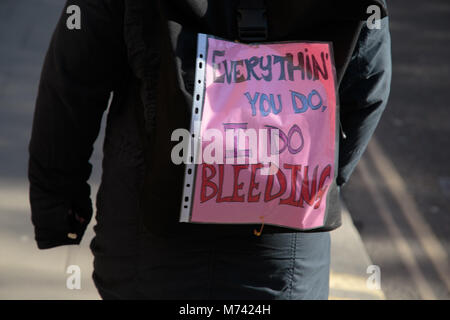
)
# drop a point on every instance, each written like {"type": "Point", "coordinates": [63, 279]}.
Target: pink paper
{"type": "Point", "coordinates": [295, 197]}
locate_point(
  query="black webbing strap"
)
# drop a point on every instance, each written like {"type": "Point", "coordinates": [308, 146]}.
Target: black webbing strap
{"type": "Point", "coordinates": [252, 20]}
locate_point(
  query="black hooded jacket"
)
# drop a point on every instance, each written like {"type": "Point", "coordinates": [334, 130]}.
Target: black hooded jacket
{"type": "Point", "coordinates": [144, 53]}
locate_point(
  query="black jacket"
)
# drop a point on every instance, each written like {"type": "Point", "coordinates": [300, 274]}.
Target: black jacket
{"type": "Point", "coordinates": [143, 52]}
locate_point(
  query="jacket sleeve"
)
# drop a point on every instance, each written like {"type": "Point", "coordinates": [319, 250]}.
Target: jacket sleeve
{"type": "Point", "coordinates": [364, 92]}
{"type": "Point", "coordinates": [81, 68]}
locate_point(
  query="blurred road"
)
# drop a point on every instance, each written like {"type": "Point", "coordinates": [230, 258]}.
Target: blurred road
{"type": "Point", "coordinates": [399, 196]}
{"type": "Point", "coordinates": [25, 272]}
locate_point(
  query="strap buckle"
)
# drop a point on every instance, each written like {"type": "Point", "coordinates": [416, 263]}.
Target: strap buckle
{"type": "Point", "coordinates": [252, 21]}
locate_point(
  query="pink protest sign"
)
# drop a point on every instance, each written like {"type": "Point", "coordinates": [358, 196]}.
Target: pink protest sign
{"type": "Point", "coordinates": [284, 88]}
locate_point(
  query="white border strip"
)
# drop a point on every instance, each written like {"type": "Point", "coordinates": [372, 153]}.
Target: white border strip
{"type": "Point", "coordinates": [197, 109]}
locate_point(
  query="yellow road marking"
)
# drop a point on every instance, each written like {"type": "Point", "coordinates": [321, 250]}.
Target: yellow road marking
{"type": "Point", "coordinates": [433, 248]}
{"type": "Point", "coordinates": [352, 283]}
{"type": "Point", "coordinates": [402, 246]}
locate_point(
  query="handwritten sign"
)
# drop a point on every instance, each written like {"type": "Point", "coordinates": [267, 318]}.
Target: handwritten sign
{"type": "Point", "coordinates": [287, 88]}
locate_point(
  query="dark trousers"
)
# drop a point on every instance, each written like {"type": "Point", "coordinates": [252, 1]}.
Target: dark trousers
{"type": "Point", "coordinates": [271, 266]}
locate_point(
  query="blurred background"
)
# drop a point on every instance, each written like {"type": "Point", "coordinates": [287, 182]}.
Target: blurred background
{"type": "Point", "coordinates": [398, 197]}
{"type": "Point", "coordinates": [26, 27]}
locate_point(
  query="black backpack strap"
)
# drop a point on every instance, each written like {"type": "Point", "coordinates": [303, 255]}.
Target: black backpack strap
{"type": "Point", "coordinates": [252, 20]}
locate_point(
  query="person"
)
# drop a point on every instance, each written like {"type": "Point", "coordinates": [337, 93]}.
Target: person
{"type": "Point", "coordinates": [142, 52]}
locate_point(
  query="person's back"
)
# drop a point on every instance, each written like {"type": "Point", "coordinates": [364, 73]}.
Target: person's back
{"type": "Point", "coordinates": [144, 52]}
